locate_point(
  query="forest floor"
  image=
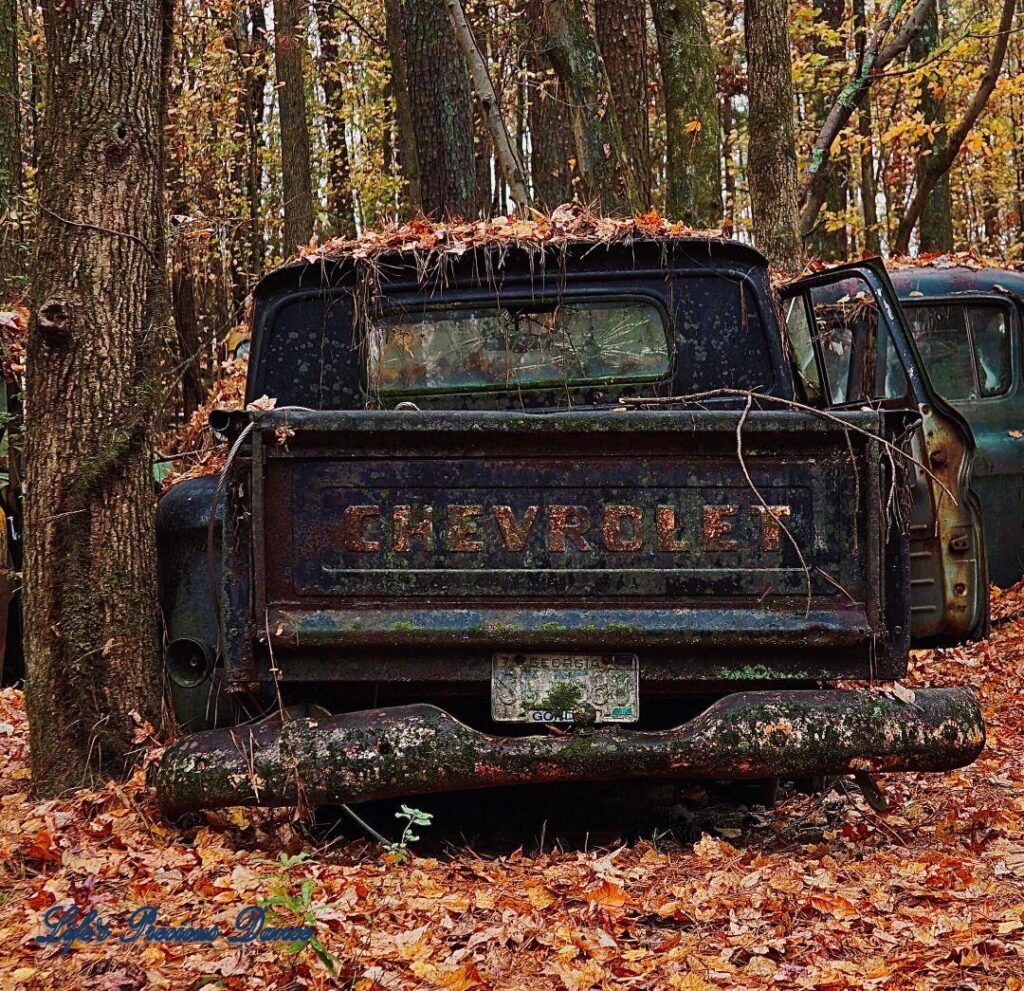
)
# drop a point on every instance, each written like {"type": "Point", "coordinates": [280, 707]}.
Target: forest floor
{"type": "Point", "coordinates": [815, 893]}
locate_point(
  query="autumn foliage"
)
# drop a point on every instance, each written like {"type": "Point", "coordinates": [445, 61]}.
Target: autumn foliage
{"type": "Point", "coordinates": [817, 893]}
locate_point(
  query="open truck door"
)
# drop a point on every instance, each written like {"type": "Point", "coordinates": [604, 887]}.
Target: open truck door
{"type": "Point", "coordinates": [852, 348]}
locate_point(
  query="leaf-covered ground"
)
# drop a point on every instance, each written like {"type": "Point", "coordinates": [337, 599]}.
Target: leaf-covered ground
{"type": "Point", "coordinates": [817, 893]}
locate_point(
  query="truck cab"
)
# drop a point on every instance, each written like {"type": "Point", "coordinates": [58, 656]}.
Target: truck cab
{"type": "Point", "coordinates": [579, 510]}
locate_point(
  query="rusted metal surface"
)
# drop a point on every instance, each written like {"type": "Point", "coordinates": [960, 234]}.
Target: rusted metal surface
{"type": "Point", "coordinates": [419, 748]}
{"type": "Point", "coordinates": [473, 530]}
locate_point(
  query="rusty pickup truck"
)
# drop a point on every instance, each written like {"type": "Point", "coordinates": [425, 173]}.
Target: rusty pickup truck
{"type": "Point", "coordinates": [567, 512]}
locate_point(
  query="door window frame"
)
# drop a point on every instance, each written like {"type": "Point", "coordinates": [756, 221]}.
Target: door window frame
{"type": "Point", "coordinates": [1011, 306]}
{"type": "Point", "coordinates": [891, 320]}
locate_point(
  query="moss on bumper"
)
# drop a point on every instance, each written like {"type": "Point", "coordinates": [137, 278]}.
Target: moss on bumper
{"type": "Point", "coordinates": [417, 749]}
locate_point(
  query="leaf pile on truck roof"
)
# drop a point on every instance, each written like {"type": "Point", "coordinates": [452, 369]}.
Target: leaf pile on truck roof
{"type": "Point", "coordinates": [816, 894]}
{"type": "Point", "coordinates": [952, 259]}
{"type": "Point", "coordinates": [428, 240]}
{"type": "Point", "coordinates": [568, 224]}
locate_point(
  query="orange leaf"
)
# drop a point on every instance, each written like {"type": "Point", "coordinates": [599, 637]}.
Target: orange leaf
{"type": "Point", "coordinates": [607, 895]}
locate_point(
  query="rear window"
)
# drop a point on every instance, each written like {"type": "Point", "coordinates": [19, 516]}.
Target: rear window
{"type": "Point", "coordinates": [965, 348]}
{"type": "Point", "coordinates": [468, 348]}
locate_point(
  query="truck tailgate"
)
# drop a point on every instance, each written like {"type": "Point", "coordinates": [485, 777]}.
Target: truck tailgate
{"type": "Point", "coordinates": [573, 530]}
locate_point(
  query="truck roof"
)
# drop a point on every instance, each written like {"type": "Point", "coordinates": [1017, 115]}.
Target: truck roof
{"type": "Point", "coordinates": [950, 275]}
{"type": "Point", "coordinates": [422, 248]}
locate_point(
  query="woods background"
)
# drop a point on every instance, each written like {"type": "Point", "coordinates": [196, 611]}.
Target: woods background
{"type": "Point", "coordinates": [289, 118]}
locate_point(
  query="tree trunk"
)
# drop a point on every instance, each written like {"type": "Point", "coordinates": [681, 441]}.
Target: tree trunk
{"type": "Point", "coordinates": [341, 208]}
{"type": "Point", "coordinates": [488, 199]}
{"type": "Point", "coordinates": [730, 84]}
{"type": "Point", "coordinates": [936, 230]}
{"type": "Point", "coordinates": [1016, 135]}
{"type": "Point", "coordinates": [771, 155]}
{"type": "Point", "coordinates": [442, 111]}
{"type": "Point", "coordinates": [831, 245]}
{"type": "Point", "coordinates": [98, 294]}
{"type": "Point", "coordinates": [245, 31]}
{"type": "Point", "coordinates": [408, 155]}
{"type": "Point", "coordinates": [568, 41]}
{"type": "Point", "coordinates": [11, 257]}
{"type": "Point", "coordinates": [989, 217]}
{"type": "Point", "coordinates": [693, 177]}
{"type": "Point", "coordinates": [297, 183]}
{"type": "Point", "coordinates": [490, 109]}
{"type": "Point", "coordinates": [938, 164]}
{"type": "Point", "coordinates": [868, 186]}
{"type": "Point", "coordinates": [621, 27]}
{"type": "Point", "coordinates": [551, 142]}
{"type": "Point", "coordinates": [254, 114]}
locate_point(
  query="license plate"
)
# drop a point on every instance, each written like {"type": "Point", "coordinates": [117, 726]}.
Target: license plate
{"type": "Point", "coordinates": [564, 688]}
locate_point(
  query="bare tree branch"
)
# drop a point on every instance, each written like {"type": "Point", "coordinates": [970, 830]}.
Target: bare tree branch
{"type": "Point", "coordinates": [504, 152]}
{"type": "Point", "coordinates": [877, 54]}
{"type": "Point", "coordinates": [937, 164]}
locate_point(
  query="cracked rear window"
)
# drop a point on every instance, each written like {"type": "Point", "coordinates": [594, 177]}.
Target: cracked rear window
{"type": "Point", "coordinates": [467, 348]}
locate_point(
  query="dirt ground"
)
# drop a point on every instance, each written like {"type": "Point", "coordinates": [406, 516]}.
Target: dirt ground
{"type": "Point", "coordinates": [593, 887]}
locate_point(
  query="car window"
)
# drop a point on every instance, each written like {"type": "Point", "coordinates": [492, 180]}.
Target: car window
{"type": "Point", "coordinates": [799, 329]}
{"type": "Point", "coordinates": [992, 347]}
{"type": "Point", "coordinates": [452, 349]}
{"type": "Point", "coordinates": [845, 326]}
{"type": "Point", "coordinates": [965, 348]}
{"type": "Point", "coordinates": [894, 378]}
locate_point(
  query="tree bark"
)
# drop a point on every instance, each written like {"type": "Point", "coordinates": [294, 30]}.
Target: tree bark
{"type": "Point", "coordinates": [489, 195]}
{"type": "Point", "coordinates": [771, 154]}
{"type": "Point", "coordinates": [11, 247]}
{"type": "Point", "coordinates": [341, 208]}
{"type": "Point", "coordinates": [1016, 134]}
{"type": "Point", "coordinates": [936, 165]}
{"type": "Point", "coordinates": [254, 114]}
{"type": "Point", "coordinates": [504, 151]}
{"type": "Point", "coordinates": [868, 186]}
{"type": "Point", "coordinates": [621, 27]}
{"type": "Point", "coordinates": [441, 105]}
{"type": "Point", "coordinates": [296, 177]}
{"type": "Point", "coordinates": [186, 325]}
{"type": "Point", "coordinates": [568, 41]}
{"type": "Point", "coordinates": [989, 217]}
{"type": "Point", "coordinates": [551, 142]}
{"type": "Point", "coordinates": [936, 230]}
{"type": "Point", "coordinates": [693, 177]}
{"type": "Point", "coordinates": [244, 28]}
{"type": "Point", "coordinates": [408, 155]}
{"type": "Point", "coordinates": [730, 83]}
{"type": "Point", "coordinates": [99, 296]}
{"type": "Point", "coordinates": [831, 245]}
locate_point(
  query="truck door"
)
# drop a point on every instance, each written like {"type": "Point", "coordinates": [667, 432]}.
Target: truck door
{"type": "Point", "coordinates": [969, 343]}
{"type": "Point", "coordinates": [851, 347]}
